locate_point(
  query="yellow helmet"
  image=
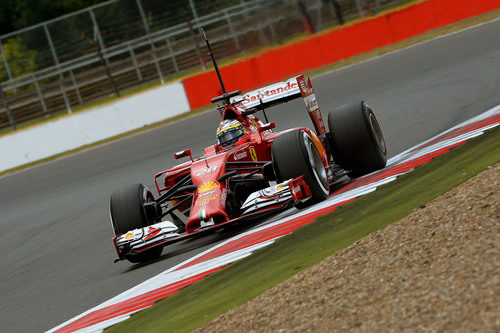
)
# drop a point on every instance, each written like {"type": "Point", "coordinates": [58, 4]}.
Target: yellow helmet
{"type": "Point", "coordinates": [229, 132]}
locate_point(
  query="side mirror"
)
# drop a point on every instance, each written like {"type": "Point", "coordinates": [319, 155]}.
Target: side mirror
{"type": "Point", "coordinates": [183, 153]}
{"type": "Point", "coordinates": [267, 126]}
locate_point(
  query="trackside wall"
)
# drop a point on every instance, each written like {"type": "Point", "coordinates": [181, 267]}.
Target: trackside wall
{"type": "Point", "coordinates": [67, 133]}
{"type": "Point", "coordinates": [332, 46]}
{"type": "Point", "coordinates": [84, 128]}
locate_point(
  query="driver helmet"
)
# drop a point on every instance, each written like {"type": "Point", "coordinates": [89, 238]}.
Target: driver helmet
{"type": "Point", "coordinates": [230, 132]}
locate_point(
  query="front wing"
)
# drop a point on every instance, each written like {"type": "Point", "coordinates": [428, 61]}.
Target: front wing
{"type": "Point", "coordinates": [260, 204]}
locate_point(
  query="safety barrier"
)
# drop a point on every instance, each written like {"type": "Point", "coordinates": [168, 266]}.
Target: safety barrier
{"type": "Point", "coordinates": [333, 46]}
{"type": "Point", "coordinates": [88, 127]}
{"type": "Point", "coordinates": [136, 111]}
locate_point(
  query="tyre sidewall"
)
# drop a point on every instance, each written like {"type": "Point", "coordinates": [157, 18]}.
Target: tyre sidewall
{"type": "Point", "coordinates": [291, 159]}
{"type": "Point", "coordinates": [356, 139]}
{"type": "Point", "coordinates": [127, 208]}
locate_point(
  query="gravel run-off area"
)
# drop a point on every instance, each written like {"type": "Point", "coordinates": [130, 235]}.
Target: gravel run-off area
{"type": "Point", "coordinates": [435, 270]}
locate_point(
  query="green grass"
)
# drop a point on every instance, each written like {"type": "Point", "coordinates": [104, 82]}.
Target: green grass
{"type": "Point", "coordinates": [248, 278]}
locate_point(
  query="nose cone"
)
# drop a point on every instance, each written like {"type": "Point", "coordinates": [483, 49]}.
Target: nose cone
{"type": "Point", "coordinates": [208, 203]}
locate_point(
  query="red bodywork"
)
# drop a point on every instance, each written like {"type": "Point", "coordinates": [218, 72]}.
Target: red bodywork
{"type": "Point", "coordinates": [231, 185]}
{"type": "Point", "coordinates": [209, 200]}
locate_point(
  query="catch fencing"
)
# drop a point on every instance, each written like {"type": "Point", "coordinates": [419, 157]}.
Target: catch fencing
{"type": "Point", "coordinates": [95, 53]}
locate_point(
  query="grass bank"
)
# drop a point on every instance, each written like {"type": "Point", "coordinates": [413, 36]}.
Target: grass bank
{"type": "Point", "coordinates": [246, 279]}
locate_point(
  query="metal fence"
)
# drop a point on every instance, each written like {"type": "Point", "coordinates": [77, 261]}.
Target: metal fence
{"type": "Point", "coordinates": [101, 50]}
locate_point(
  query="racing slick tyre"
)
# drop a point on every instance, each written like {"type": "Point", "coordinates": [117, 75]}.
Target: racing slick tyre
{"type": "Point", "coordinates": [356, 140]}
{"type": "Point", "coordinates": [294, 154]}
{"type": "Point", "coordinates": [127, 213]}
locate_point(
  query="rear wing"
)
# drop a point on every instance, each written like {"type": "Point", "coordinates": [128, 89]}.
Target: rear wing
{"type": "Point", "coordinates": [267, 96]}
{"type": "Point", "coordinates": [282, 92]}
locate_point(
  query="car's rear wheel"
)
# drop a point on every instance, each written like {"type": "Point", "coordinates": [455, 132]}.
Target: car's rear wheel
{"type": "Point", "coordinates": [128, 213]}
{"type": "Point", "coordinates": [294, 154]}
{"type": "Point", "coordinates": [356, 139]}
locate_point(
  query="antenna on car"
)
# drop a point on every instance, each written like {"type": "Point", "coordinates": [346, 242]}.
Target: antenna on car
{"type": "Point", "coordinates": [225, 96]}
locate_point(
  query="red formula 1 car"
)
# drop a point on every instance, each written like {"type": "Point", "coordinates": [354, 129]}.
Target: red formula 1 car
{"type": "Point", "coordinates": [251, 173]}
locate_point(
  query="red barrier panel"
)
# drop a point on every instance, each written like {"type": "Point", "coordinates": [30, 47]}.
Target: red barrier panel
{"type": "Point", "coordinates": [338, 44]}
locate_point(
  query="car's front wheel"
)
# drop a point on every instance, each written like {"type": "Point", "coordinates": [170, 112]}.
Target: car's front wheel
{"type": "Point", "coordinates": [128, 213]}
{"type": "Point", "coordinates": [294, 154]}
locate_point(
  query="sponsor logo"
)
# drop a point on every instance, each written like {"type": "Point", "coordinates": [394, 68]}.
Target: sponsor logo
{"type": "Point", "coordinates": [209, 170]}
{"type": "Point", "coordinates": [152, 232]}
{"type": "Point", "coordinates": [223, 197]}
{"type": "Point", "coordinates": [295, 190]}
{"type": "Point", "coordinates": [129, 236]}
{"type": "Point", "coordinates": [207, 186]}
{"type": "Point", "coordinates": [311, 102]}
{"type": "Point", "coordinates": [204, 201]}
{"type": "Point", "coordinates": [267, 192]}
{"type": "Point", "coordinates": [303, 86]}
{"type": "Point", "coordinates": [253, 154]}
{"type": "Point", "coordinates": [240, 155]}
{"type": "Point", "coordinates": [256, 95]}
{"type": "Point", "coordinates": [203, 214]}
{"type": "Point", "coordinates": [255, 125]}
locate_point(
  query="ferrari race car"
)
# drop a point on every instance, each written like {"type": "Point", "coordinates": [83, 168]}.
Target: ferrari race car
{"type": "Point", "coordinates": [251, 173]}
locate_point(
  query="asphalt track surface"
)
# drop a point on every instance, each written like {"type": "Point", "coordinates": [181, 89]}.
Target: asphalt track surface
{"type": "Point", "coordinates": [56, 254]}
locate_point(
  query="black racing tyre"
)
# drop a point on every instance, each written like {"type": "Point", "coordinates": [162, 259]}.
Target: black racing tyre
{"type": "Point", "coordinates": [127, 213]}
{"type": "Point", "coordinates": [356, 139]}
{"type": "Point", "coordinates": [126, 208]}
{"type": "Point", "coordinates": [294, 154]}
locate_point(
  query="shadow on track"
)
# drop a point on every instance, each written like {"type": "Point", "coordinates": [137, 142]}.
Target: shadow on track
{"type": "Point", "coordinates": [220, 235]}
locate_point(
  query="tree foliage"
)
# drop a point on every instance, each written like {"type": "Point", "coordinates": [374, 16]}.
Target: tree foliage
{"type": "Point", "coordinates": [18, 14]}
{"type": "Point", "coordinates": [117, 22]}
{"type": "Point", "coordinates": [21, 59]}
